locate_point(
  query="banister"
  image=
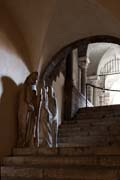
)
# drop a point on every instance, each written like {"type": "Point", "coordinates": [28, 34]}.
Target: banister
{"type": "Point", "coordinates": [97, 87]}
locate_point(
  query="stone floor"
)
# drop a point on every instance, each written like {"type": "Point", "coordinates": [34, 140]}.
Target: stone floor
{"type": "Point", "coordinates": [98, 126]}
{"type": "Point", "coordinates": [89, 149]}
{"type": "Point", "coordinates": [79, 163]}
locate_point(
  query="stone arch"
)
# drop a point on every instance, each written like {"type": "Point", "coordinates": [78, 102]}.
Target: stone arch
{"type": "Point", "coordinates": [107, 56]}
{"type": "Point", "coordinates": [57, 64]}
{"type": "Point", "coordinates": [57, 61]}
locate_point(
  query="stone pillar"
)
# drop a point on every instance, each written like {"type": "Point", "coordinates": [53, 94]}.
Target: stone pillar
{"type": "Point", "coordinates": [96, 91]}
{"type": "Point", "coordinates": [90, 94]}
{"type": "Point", "coordinates": [75, 75]}
{"type": "Point", "coordinates": [83, 63]}
{"type": "Point", "coordinates": [67, 101]}
{"type": "Point", "coordinates": [93, 80]}
{"type": "Point", "coordinates": [94, 96]}
{"type": "Point", "coordinates": [79, 79]}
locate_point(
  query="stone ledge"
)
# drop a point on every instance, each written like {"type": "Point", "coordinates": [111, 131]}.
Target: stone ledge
{"type": "Point", "coordinates": [21, 172]}
{"type": "Point", "coordinates": [35, 151]}
{"type": "Point", "coordinates": [83, 173]}
{"type": "Point", "coordinates": [103, 150]}
{"type": "Point", "coordinates": [60, 161]}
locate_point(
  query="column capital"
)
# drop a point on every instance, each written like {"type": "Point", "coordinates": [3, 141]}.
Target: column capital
{"type": "Point", "coordinates": [93, 78]}
{"type": "Point", "coordinates": [83, 62]}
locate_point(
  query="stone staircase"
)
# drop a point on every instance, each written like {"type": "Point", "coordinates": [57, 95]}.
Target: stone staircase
{"type": "Point", "coordinates": [80, 163]}
{"type": "Point", "coordinates": [98, 126]}
{"type": "Point", "coordinates": [89, 149]}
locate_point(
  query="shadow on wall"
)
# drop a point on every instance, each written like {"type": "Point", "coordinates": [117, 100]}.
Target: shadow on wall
{"type": "Point", "coordinates": [11, 36]}
{"type": "Point", "coordinates": [8, 116]}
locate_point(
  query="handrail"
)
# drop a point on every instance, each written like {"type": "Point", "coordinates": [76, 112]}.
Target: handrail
{"type": "Point", "coordinates": [108, 74]}
{"type": "Point", "coordinates": [105, 89]}
{"type": "Point", "coordinates": [97, 87]}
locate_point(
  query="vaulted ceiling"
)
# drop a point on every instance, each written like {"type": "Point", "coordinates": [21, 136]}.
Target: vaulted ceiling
{"type": "Point", "coordinates": [99, 54]}
{"type": "Point", "coordinates": [113, 6]}
{"type": "Point", "coordinates": [45, 26]}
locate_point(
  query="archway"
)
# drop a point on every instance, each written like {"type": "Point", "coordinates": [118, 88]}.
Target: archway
{"type": "Point", "coordinates": [58, 62]}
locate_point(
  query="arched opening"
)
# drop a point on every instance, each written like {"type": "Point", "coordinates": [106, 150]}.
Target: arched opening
{"type": "Point", "coordinates": [84, 50]}
{"type": "Point", "coordinates": [104, 72]}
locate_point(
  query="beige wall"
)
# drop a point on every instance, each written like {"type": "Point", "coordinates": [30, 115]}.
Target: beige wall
{"type": "Point", "coordinates": [14, 68]}
{"type": "Point", "coordinates": [20, 49]}
{"type": "Point", "coordinates": [32, 17]}
{"type": "Point", "coordinates": [73, 20]}
{"type": "Point", "coordinates": [113, 6]}
{"type": "Point", "coordinates": [48, 25]}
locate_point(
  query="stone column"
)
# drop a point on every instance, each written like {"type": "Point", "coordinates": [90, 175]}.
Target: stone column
{"type": "Point", "coordinates": [94, 96]}
{"type": "Point", "coordinates": [90, 94]}
{"type": "Point", "coordinates": [96, 91]}
{"type": "Point", "coordinates": [75, 75]}
{"type": "Point", "coordinates": [83, 63]}
{"type": "Point", "coordinates": [79, 80]}
{"type": "Point", "coordinates": [93, 80]}
{"type": "Point", "coordinates": [67, 101]}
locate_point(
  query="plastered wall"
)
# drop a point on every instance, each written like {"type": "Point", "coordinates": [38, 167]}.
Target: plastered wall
{"type": "Point", "coordinates": [13, 71]}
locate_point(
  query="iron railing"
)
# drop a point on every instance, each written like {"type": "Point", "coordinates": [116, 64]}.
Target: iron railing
{"type": "Point", "coordinates": [97, 87]}
{"type": "Point", "coordinates": [112, 66]}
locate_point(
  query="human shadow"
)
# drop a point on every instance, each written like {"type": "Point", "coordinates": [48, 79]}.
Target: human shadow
{"type": "Point", "coordinates": [8, 115]}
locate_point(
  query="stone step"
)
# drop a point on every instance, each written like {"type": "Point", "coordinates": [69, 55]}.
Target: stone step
{"type": "Point", "coordinates": [107, 150]}
{"type": "Point", "coordinates": [97, 115]}
{"type": "Point", "coordinates": [71, 145]}
{"type": "Point", "coordinates": [59, 161]}
{"type": "Point", "coordinates": [98, 118]}
{"type": "Point", "coordinates": [102, 121]}
{"type": "Point", "coordinates": [90, 130]}
{"type": "Point", "coordinates": [19, 178]}
{"type": "Point", "coordinates": [93, 125]}
{"type": "Point", "coordinates": [35, 151]}
{"type": "Point", "coordinates": [89, 163]}
{"type": "Point", "coordinates": [100, 109]}
{"type": "Point", "coordinates": [73, 173]}
{"type": "Point", "coordinates": [88, 125]}
{"type": "Point", "coordinates": [94, 130]}
{"type": "Point", "coordinates": [94, 112]}
{"type": "Point", "coordinates": [90, 140]}
{"type": "Point", "coordinates": [89, 133]}
{"type": "Point", "coordinates": [21, 172]}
